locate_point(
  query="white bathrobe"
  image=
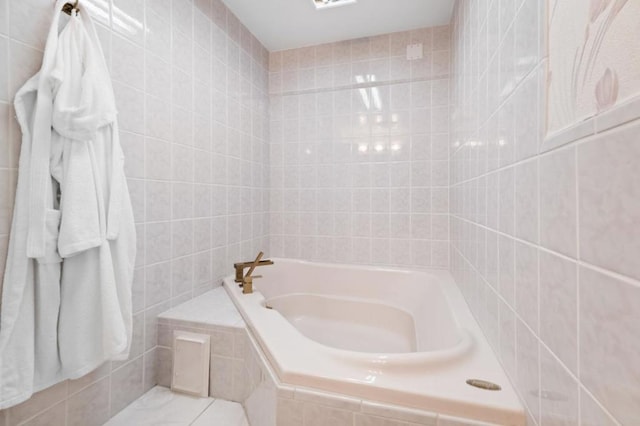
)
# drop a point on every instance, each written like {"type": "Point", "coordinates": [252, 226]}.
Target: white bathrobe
{"type": "Point", "coordinates": [66, 302]}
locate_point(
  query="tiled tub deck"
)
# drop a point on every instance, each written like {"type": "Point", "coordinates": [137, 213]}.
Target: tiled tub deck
{"type": "Point", "coordinates": [240, 373]}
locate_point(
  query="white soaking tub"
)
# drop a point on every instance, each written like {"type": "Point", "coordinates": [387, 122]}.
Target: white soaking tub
{"type": "Point", "coordinates": [397, 337]}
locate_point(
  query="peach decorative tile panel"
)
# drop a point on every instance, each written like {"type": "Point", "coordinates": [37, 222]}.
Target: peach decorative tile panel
{"type": "Point", "coordinates": [593, 58]}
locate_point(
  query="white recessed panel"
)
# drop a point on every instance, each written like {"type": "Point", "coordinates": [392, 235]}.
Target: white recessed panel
{"type": "Point", "coordinates": [191, 363]}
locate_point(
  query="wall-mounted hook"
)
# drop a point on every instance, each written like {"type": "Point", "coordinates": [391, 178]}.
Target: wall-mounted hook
{"type": "Point", "coordinates": [68, 8]}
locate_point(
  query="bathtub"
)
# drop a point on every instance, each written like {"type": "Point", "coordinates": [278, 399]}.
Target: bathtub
{"type": "Point", "coordinates": [392, 336]}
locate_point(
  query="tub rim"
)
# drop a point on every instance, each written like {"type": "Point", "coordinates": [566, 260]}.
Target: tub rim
{"type": "Point", "coordinates": [436, 388]}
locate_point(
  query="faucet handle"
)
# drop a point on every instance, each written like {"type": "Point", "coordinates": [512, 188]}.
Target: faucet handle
{"type": "Point", "coordinates": [254, 264]}
{"type": "Point", "coordinates": [248, 279]}
{"type": "Point", "coordinates": [247, 283]}
{"type": "Point", "coordinates": [241, 266]}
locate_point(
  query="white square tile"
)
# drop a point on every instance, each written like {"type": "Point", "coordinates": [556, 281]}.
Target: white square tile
{"type": "Point", "coordinates": [24, 62]}
{"type": "Point", "coordinates": [558, 209]}
{"type": "Point", "coordinates": [558, 307]}
{"type": "Point", "coordinates": [559, 404]}
{"type": "Point", "coordinates": [4, 70]}
{"type": "Point", "coordinates": [609, 308]}
{"type": "Point", "coordinates": [4, 18]}
{"type": "Point", "coordinates": [527, 287]}
{"type": "Point", "coordinates": [528, 368]}
{"type": "Point", "coordinates": [609, 200]}
{"type": "Point", "coordinates": [128, 65]}
{"type": "Point", "coordinates": [161, 405]}
{"type": "Point", "coordinates": [526, 201]}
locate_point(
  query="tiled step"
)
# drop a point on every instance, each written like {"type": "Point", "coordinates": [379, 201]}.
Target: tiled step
{"type": "Point", "coordinates": [160, 406]}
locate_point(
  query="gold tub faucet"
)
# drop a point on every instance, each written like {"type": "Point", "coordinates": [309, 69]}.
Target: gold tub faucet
{"type": "Point", "coordinates": [247, 280]}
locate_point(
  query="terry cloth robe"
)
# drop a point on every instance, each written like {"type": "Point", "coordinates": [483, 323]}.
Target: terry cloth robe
{"type": "Point", "coordinates": [62, 322]}
{"type": "Point", "coordinates": [97, 233]}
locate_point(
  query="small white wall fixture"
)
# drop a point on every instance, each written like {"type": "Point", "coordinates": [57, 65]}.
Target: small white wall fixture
{"type": "Point", "coordinates": [191, 363]}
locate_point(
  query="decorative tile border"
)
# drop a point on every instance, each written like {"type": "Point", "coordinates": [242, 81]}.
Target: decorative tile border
{"type": "Point", "coordinates": [570, 134]}
{"type": "Point", "coordinates": [614, 117]}
{"type": "Point", "coordinates": [618, 115]}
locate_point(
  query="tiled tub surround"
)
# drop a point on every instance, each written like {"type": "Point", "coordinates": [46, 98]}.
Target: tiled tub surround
{"type": "Point", "coordinates": [393, 336]}
{"type": "Point", "coordinates": [544, 236]}
{"type": "Point", "coordinates": [191, 87]}
{"type": "Point", "coordinates": [241, 372]}
{"type": "Point", "coordinates": [359, 151]}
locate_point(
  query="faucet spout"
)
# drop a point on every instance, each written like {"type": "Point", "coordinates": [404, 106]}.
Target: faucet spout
{"type": "Point", "coordinates": [246, 281]}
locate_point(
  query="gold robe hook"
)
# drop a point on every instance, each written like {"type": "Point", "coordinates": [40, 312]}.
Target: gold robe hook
{"type": "Point", "coordinates": [68, 8]}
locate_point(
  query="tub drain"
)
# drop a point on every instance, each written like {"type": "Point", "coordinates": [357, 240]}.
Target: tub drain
{"type": "Point", "coordinates": [483, 384]}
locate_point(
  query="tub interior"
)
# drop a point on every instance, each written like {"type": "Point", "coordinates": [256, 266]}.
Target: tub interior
{"type": "Point", "coordinates": [349, 324]}
{"type": "Point", "coordinates": [365, 310]}
{"type": "Point", "coordinates": [396, 337]}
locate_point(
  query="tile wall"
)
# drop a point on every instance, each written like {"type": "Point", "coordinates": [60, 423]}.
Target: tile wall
{"type": "Point", "coordinates": [191, 87]}
{"type": "Point", "coordinates": [544, 237]}
{"type": "Point", "coordinates": [360, 171]}
{"type": "Point", "coordinates": [359, 158]}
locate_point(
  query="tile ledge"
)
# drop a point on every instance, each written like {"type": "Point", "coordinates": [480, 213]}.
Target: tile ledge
{"type": "Point", "coordinates": [620, 114]}
{"type": "Point", "coordinates": [395, 412]}
{"type": "Point", "coordinates": [569, 134]}
{"type": "Point", "coordinates": [201, 312]}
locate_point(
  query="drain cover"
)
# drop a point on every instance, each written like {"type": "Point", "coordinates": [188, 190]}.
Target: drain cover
{"type": "Point", "coordinates": [483, 384]}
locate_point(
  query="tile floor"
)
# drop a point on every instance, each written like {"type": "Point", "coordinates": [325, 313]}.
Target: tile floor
{"type": "Point", "coordinates": [161, 406]}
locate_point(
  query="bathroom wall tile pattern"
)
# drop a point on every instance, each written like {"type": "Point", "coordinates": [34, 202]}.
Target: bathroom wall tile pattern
{"type": "Point", "coordinates": [193, 112]}
{"type": "Point", "coordinates": [359, 161]}
{"type": "Point", "coordinates": [547, 269]}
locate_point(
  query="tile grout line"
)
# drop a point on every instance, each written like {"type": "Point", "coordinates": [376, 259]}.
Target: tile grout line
{"type": "Point", "coordinates": [578, 284]}
{"type": "Point", "coordinates": [580, 263]}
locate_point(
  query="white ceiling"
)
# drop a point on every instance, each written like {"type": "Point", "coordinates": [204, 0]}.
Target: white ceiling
{"type": "Point", "coordinates": [287, 24]}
